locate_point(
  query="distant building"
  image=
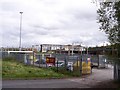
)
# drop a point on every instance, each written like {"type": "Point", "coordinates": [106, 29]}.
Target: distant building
{"type": "Point", "coordinates": [60, 48]}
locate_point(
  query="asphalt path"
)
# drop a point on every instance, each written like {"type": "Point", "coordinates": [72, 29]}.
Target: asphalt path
{"type": "Point", "coordinates": [97, 76]}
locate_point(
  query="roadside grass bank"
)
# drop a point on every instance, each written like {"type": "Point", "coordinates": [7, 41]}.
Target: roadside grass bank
{"type": "Point", "coordinates": [12, 69]}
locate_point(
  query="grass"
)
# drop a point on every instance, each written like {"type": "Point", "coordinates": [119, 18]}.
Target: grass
{"type": "Point", "coordinates": [61, 70]}
{"type": "Point", "coordinates": [12, 69]}
{"type": "Point", "coordinates": [16, 70]}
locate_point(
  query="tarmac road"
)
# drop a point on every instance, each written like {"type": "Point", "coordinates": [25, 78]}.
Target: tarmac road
{"type": "Point", "coordinates": [98, 76]}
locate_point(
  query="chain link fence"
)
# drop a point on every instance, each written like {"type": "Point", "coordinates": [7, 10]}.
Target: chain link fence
{"type": "Point", "coordinates": [74, 64]}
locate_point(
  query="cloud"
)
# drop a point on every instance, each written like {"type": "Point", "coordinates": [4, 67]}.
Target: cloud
{"type": "Point", "coordinates": [50, 21]}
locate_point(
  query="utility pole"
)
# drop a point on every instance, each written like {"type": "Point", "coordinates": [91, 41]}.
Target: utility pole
{"type": "Point", "coordinates": [20, 30]}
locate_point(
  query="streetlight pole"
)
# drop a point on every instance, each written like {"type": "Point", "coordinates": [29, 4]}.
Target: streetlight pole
{"type": "Point", "coordinates": [20, 30]}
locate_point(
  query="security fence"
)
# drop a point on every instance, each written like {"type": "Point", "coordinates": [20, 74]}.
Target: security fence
{"type": "Point", "coordinates": [80, 64]}
{"type": "Point", "coordinates": [76, 64]}
{"type": "Point", "coordinates": [117, 71]}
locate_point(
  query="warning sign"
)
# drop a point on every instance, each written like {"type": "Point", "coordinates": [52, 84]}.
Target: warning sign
{"type": "Point", "coordinates": [50, 60]}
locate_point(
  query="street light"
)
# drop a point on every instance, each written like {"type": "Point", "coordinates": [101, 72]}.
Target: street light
{"type": "Point", "coordinates": [20, 30]}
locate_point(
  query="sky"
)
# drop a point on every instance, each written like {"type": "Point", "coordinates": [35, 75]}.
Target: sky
{"type": "Point", "coordinates": [50, 22]}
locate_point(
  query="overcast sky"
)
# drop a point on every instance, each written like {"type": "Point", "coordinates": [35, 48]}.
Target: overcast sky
{"type": "Point", "coordinates": [50, 22]}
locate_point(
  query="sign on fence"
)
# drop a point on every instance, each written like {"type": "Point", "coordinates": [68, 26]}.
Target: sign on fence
{"type": "Point", "coordinates": [50, 60]}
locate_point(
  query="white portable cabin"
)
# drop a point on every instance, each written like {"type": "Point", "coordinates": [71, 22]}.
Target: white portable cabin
{"type": "Point", "coordinates": [19, 55]}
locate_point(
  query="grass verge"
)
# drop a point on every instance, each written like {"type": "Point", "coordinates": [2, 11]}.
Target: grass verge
{"type": "Point", "coordinates": [16, 70]}
{"type": "Point", "coordinates": [11, 69]}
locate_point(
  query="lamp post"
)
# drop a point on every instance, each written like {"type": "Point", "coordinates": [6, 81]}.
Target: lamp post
{"type": "Point", "coordinates": [20, 30]}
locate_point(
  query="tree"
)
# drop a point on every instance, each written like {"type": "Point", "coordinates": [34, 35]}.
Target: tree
{"type": "Point", "coordinates": [109, 20]}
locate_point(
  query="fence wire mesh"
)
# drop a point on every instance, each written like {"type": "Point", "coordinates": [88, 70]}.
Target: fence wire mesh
{"type": "Point", "coordinates": [75, 64]}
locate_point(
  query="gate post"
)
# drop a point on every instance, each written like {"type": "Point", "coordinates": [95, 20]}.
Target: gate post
{"type": "Point", "coordinates": [81, 66]}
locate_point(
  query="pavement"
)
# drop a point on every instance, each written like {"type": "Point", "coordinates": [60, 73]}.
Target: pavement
{"type": "Point", "coordinates": [98, 76]}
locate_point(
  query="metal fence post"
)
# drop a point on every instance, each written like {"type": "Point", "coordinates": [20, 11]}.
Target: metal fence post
{"type": "Point", "coordinates": [81, 66]}
{"type": "Point", "coordinates": [77, 64]}
{"type": "Point", "coordinates": [39, 60]}
{"type": "Point", "coordinates": [115, 73]}
{"type": "Point", "coordinates": [66, 62]}
{"type": "Point", "coordinates": [25, 59]}
{"type": "Point", "coordinates": [57, 65]}
{"type": "Point", "coordinates": [98, 61]}
{"type": "Point", "coordinates": [33, 58]}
